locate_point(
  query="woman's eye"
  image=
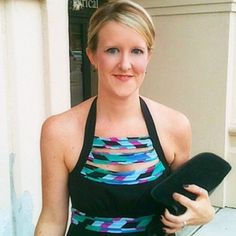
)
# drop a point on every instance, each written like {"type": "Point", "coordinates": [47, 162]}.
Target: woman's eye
{"type": "Point", "coordinates": [137, 51]}
{"type": "Point", "coordinates": [112, 50]}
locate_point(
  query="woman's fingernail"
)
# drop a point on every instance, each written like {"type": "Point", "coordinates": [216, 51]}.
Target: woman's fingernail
{"type": "Point", "coordinates": [164, 230]}
{"type": "Point", "coordinates": [175, 195]}
{"type": "Point", "coordinates": [186, 185]}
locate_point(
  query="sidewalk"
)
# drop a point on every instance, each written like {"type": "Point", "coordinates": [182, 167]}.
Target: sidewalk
{"type": "Point", "coordinates": [224, 224]}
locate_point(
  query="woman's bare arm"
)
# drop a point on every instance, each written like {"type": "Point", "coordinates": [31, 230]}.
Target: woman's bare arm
{"type": "Point", "coordinates": [54, 214]}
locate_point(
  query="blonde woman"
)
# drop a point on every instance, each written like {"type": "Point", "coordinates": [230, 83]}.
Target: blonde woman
{"type": "Point", "coordinates": [107, 153]}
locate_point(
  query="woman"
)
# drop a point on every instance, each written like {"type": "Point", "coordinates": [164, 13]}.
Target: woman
{"type": "Point", "coordinates": [105, 153]}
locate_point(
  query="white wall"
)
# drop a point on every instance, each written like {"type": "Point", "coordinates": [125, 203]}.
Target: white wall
{"type": "Point", "coordinates": [56, 55]}
{"type": "Point", "coordinates": [5, 196]}
{"type": "Point", "coordinates": [231, 113]}
{"type": "Point", "coordinates": [193, 70]}
{"type": "Point", "coordinates": [34, 83]}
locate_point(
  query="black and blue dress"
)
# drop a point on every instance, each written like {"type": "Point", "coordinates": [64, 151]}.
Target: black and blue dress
{"type": "Point", "coordinates": [106, 202]}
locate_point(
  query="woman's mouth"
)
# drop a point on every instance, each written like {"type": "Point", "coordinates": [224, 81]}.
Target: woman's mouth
{"type": "Point", "coordinates": [122, 77]}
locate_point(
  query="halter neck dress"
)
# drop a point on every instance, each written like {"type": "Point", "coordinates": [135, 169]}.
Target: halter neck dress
{"type": "Point", "coordinates": [108, 203]}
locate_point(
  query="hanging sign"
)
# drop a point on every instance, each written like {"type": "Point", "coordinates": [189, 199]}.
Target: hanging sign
{"type": "Point", "coordinates": [79, 4]}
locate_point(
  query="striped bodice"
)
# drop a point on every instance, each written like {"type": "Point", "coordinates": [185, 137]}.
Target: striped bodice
{"type": "Point", "coordinates": [122, 151]}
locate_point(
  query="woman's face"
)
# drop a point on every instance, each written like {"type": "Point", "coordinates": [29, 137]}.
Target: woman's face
{"type": "Point", "coordinates": [121, 60]}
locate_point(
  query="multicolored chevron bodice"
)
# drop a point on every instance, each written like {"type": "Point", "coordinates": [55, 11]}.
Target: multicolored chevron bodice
{"type": "Point", "coordinates": [122, 151]}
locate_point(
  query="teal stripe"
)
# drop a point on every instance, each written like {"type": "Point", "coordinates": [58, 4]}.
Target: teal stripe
{"type": "Point", "coordinates": [111, 225]}
{"type": "Point", "coordinates": [123, 158]}
{"type": "Point", "coordinates": [100, 142]}
{"type": "Point", "coordinates": [128, 178]}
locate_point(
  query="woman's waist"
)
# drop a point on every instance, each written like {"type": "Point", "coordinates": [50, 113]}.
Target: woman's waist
{"type": "Point", "coordinates": [111, 224]}
{"type": "Point", "coordinates": [101, 197]}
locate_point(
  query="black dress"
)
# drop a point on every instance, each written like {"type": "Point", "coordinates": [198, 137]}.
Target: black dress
{"type": "Point", "coordinates": [105, 202]}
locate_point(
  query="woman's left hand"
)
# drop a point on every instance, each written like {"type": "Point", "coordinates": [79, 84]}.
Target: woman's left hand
{"type": "Point", "coordinates": [199, 211]}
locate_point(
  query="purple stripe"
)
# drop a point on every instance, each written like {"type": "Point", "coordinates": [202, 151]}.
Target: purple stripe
{"type": "Point", "coordinates": [114, 139]}
{"type": "Point", "coordinates": [135, 143]}
{"type": "Point", "coordinates": [120, 178]}
{"type": "Point", "coordinates": [105, 225]}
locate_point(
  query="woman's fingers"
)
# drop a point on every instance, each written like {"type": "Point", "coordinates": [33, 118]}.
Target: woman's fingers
{"type": "Point", "coordinates": [173, 223]}
{"type": "Point", "coordinates": [185, 201]}
{"type": "Point", "coordinates": [196, 189]}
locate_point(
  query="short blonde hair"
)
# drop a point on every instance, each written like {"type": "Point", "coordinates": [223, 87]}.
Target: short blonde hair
{"type": "Point", "coordinates": [125, 12]}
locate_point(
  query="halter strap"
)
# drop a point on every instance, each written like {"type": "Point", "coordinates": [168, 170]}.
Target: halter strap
{"type": "Point", "coordinates": [153, 133]}
{"type": "Point", "coordinates": [90, 130]}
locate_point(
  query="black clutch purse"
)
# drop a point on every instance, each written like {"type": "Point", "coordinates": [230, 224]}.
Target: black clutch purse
{"type": "Point", "coordinates": [206, 170]}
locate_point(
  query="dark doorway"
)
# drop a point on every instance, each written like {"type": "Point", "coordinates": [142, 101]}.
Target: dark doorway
{"type": "Point", "coordinates": [83, 81]}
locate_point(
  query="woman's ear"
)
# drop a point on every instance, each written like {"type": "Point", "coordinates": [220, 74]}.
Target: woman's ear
{"type": "Point", "coordinates": [91, 56]}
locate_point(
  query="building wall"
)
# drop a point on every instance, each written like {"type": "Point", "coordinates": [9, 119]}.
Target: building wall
{"type": "Point", "coordinates": [230, 193]}
{"type": "Point", "coordinates": [34, 83]}
{"type": "Point", "coordinates": [193, 70]}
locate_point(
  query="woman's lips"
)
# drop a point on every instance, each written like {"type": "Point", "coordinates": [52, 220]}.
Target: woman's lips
{"type": "Point", "coordinates": [123, 77]}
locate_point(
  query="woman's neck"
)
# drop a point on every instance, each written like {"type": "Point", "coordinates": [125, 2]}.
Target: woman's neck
{"type": "Point", "coordinates": [120, 117]}
{"type": "Point", "coordinates": [117, 109]}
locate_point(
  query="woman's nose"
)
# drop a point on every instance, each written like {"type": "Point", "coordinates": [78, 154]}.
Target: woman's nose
{"type": "Point", "coordinates": [125, 62]}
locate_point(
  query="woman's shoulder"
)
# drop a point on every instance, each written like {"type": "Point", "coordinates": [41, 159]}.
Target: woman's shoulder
{"type": "Point", "coordinates": [68, 122]}
{"type": "Point", "coordinates": [167, 115]}
{"type": "Point", "coordinates": [174, 131]}
{"type": "Point", "coordinates": [174, 122]}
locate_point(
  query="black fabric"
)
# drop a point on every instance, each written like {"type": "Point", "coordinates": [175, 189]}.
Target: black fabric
{"type": "Point", "coordinates": [153, 133]}
{"type": "Point", "coordinates": [88, 137]}
{"type": "Point", "coordinates": [73, 231]}
{"type": "Point", "coordinates": [105, 200]}
{"type": "Point", "coordinates": [206, 170]}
